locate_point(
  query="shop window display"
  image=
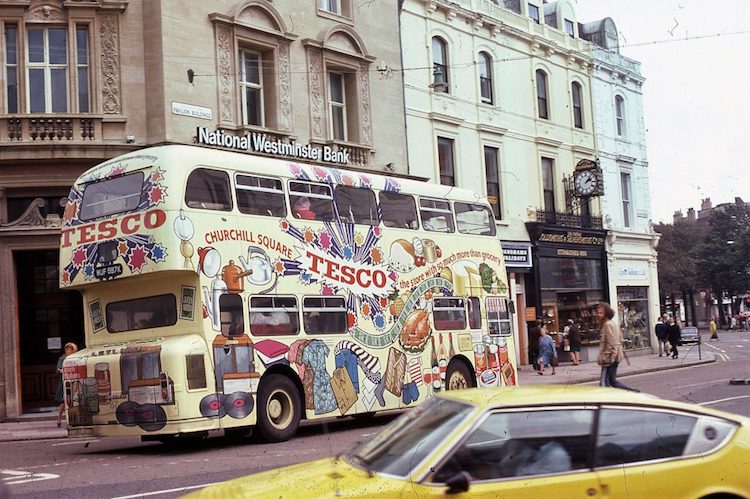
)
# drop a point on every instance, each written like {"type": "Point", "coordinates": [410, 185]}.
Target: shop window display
{"type": "Point", "coordinates": [633, 313]}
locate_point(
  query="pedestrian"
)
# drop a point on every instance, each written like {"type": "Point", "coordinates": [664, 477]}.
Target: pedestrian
{"type": "Point", "coordinates": [533, 349]}
{"type": "Point", "coordinates": [673, 334]}
{"type": "Point", "coordinates": [59, 400]}
{"type": "Point", "coordinates": [610, 348]}
{"type": "Point", "coordinates": [661, 334]}
{"type": "Point", "coordinates": [574, 341]}
{"type": "Point", "coordinates": [547, 352]}
{"type": "Point", "coordinates": [712, 329]}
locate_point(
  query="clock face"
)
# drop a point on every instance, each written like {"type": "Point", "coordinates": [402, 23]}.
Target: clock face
{"type": "Point", "coordinates": [586, 182]}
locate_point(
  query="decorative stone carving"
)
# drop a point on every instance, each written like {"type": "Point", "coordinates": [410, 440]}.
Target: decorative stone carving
{"type": "Point", "coordinates": [32, 217]}
{"type": "Point", "coordinates": [46, 13]}
{"type": "Point", "coordinates": [109, 35]}
{"type": "Point", "coordinates": [364, 97]}
{"type": "Point", "coordinates": [226, 74]}
{"type": "Point", "coordinates": [285, 93]}
{"type": "Point", "coordinates": [314, 74]}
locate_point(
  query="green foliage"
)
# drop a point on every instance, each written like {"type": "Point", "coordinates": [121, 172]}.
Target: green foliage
{"type": "Point", "coordinates": [677, 260]}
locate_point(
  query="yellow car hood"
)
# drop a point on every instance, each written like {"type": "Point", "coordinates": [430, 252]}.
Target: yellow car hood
{"type": "Point", "coordinates": [323, 478]}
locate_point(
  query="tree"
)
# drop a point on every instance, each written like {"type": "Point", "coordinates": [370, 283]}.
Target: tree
{"type": "Point", "coordinates": [721, 258]}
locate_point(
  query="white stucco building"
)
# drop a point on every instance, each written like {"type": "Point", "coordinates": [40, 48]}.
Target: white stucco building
{"type": "Point", "coordinates": [621, 142]}
{"type": "Point", "coordinates": [498, 100]}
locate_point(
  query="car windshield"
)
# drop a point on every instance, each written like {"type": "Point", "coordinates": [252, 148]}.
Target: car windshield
{"type": "Point", "coordinates": [404, 443]}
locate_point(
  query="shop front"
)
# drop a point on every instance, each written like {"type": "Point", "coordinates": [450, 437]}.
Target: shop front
{"type": "Point", "coordinates": [518, 264]}
{"type": "Point", "coordinates": [570, 280]}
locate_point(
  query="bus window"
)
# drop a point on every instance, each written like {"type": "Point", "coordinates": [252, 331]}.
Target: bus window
{"type": "Point", "coordinates": [141, 313]}
{"type": "Point", "coordinates": [474, 219]}
{"type": "Point", "coordinates": [324, 315]}
{"type": "Point", "coordinates": [356, 206]}
{"type": "Point", "coordinates": [449, 313]}
{"type": "Point", "coordinates": [498, 316]}
{"type": "Point", "coordinates": [111, 196]}
{"type": "Point", "coordinates": [311, 201]}
{"type": "Point", "coordinates": [273, 315]}
{"type": "Point", "coordinates": [475, 314]}
{"type": "Point", "coordinates": [232, 321]}
{"type": "Point", "coordinates": [260, 196]}
{"type": "Point", "coordinates": [398, 210]}
{"type": "Point", "coordinates": [436, 215]}
{"type": "Point", "coordinates": [208, 189]}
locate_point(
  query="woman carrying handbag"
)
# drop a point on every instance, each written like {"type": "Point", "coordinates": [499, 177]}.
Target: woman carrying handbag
{"type": "Point", "coordinates": [610, 349]}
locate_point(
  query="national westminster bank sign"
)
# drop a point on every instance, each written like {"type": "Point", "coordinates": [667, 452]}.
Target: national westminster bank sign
{"type": "Point", "coordinates": [261, 143]}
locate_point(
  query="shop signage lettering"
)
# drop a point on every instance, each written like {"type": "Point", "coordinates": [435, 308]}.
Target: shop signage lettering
{"type": "Point", "coordinates": [260, 142]}
{"type": "Point", "coordinates": [109, 229]}
{"type": "Point", "coordinates": [574, 253]}
{"type": "Point", "coordinates": [632, 273]}
{"type": "Point", "coordinates": [571, 237]}
{"type": "Point", "coordinates": [517, 255]}
{"type": "Point", "coordinates": [201, 112]}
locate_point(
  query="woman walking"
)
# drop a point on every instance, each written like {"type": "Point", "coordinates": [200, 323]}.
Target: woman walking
{"type": "Point", "coordinates": [574, 340]}
{"type": "Point", "coordinates": [547, 352]}
{"type": "Point", "coordinates": [69, 348]}
{"type": "Point", "coordinates": [610, 349]}
{"type": "Point", "coordinates": [673, 334]}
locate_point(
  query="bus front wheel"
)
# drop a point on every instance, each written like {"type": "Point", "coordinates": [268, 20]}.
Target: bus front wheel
{"type": "Point", "coordinates": [279, 408]}
{"type": "Point", "coordinates": [457, 376]}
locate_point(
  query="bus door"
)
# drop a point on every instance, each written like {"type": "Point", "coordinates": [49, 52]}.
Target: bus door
{"type": "Point", "coordinates": [234, 364]}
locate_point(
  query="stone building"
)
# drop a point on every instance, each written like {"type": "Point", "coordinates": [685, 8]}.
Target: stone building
{"type": "Point", "coordinates": [86, 80]}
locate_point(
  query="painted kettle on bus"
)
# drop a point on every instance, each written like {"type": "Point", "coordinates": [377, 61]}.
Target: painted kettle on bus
{"type": "Point", "coordinates": [258, 262]}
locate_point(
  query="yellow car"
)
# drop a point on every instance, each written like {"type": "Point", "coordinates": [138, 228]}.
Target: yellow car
{"type": "Point", "coordinates": [562, 441]}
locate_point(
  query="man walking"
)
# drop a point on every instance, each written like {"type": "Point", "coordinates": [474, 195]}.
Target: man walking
{"type": "Point", "coordinates": [661, 335]}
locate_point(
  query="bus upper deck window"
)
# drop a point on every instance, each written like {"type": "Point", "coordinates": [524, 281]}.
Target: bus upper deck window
{"type": "Point", "coordinates": [260, 196]}
{"type": "Point", "coordinates": [436, 215]}
{"type": "Point", "coordinates": [311, 201]}
{"type": "Point", "coordinates": [111, 196]}
{"type": "Point", "coordinates": [398, 210]}
{"type": "Point", "coordinates": [208, 189]}
{"type": "Point", "coordinates": [356, 205]}
{"type": "Point", "coordinates": [474, 219]}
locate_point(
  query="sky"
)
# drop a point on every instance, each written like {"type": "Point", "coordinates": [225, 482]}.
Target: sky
{"type": "Point", "coordinates": [696, 103]}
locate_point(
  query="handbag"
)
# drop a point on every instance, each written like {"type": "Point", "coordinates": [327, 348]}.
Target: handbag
{"type": "Point", "coordinates": [554, 361]}
{"type": "Point", "coordinates": [604, 359]}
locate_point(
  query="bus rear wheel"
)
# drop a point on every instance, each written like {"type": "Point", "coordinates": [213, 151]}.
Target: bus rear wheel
{"type": "Point", "coordinates": [279, 408]}
{"type": "Point", "coordinates": [457, 376]}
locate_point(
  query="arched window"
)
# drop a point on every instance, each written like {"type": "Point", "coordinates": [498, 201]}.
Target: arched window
{"type": "Point", "coordinates": [577, 96]}
{"type": "Point", "coordinates": [439, 64]}
{"type": "Point", "coordinates": [485, 77]}
{"type": "Point", "coordinates": [541, 94]}
{"type": "Point", "coordinates": [620, 115]}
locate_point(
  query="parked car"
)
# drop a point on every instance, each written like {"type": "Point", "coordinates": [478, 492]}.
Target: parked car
{"type": "Point", "coordinates": [561, 441]}
{"type": "Point", "coordinates": [690, 334]}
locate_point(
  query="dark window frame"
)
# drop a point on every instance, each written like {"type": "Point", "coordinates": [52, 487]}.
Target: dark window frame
{"type": "Point", "coordinates": [355, 219]}
{"type": "Point", "coordinates": [451, 227]}
{"type": "Point", "coordinates": [328, 198]}
{"type": "Point", "coordinates": [83, 215]}
{"type": "Point", "coordinates": [335, 309]}
{"type": "Point", "coordinates": [486, 91]}
{"type": "Point", "coordinates": [576, 90]}
{"type": "Point", "coordinates": [447, 160]}
{"type": "Point", "coordinates": [212, 205]}
{"type": "Point", "coordinates": [492, 180]}
{"type": "Point", "coordinates": [258, 188]}
{"type": "Point", "coordinates": [147, 326]}
{"type": "Point", "coordinates": [475, 207]}
{"type": "Point", "coordinates": [412, 224]}
{"type": "Point", "coordinates": [440, 60]}
{"type": "Point", "coordinates": [292, 312]}
{"type": "Point", "coordinates": [542, 93]}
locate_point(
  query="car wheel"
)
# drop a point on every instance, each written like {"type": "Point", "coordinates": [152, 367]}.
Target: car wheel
{"type": "Point", "coordinates": [279, 408]}
{"type": "Point", "coordinates": [458, 376]}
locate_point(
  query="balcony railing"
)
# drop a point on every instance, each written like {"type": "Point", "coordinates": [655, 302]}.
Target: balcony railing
{"type": "Point", "coordinates": [569, 219]}
{"type": "Point", "coordinates": [46, 128]}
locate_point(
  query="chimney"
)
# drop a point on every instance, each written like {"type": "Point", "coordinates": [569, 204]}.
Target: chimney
{"type": "Point", "coordinates": [691, 215]}
{"type": "Point", "coordinates": [706, 204]}
{"type": "Point", "coordinates": [677, 216]}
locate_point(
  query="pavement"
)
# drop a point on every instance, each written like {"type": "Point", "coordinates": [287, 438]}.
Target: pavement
{"type": "Point", "coordinates": [586, 372]}
{"type": "Point", "coordinates": [42, 427]}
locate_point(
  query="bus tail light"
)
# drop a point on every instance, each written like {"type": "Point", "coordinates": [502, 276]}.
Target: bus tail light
{"type": "Point", "coordinates": [166, 387]}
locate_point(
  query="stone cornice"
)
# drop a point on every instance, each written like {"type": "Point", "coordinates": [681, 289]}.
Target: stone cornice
{"type": "Point", "coordinates": [445, 118]}
{"type": "Point", "coordinates": [548, 142]}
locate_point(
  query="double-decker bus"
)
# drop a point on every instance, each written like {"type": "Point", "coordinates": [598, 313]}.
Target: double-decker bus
{"type": "Point", "coordinates": [228, 291]}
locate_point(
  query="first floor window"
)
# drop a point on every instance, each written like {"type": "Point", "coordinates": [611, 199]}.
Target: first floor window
{"type": "Point", "coordinates": [337, 105]}
{"type": "Point", "coordinates": [626, 209]}
{"type": "Point", "coordinates": [445, 160]}
{"type": "Point", "coordinates": [251, 83]}
{"type": "Point", "coordinates": [11, 68]}
{"type": "Point", "coordinates": [548, 184]}
{"type": "Point", "coordinates": [491, 168]}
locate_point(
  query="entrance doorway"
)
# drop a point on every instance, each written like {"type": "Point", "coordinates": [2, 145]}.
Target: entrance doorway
{"type": "Point", "coordinates": [47, 319]}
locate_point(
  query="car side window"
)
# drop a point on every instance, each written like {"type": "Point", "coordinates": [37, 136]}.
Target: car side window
{"type": "Point", "coordinates": [522, 444]}
{"type": "Point", "coordinates": [633, 435]}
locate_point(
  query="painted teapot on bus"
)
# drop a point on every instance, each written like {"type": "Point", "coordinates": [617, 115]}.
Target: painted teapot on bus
{"type": "Point", "coordinates": [258, 264]}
